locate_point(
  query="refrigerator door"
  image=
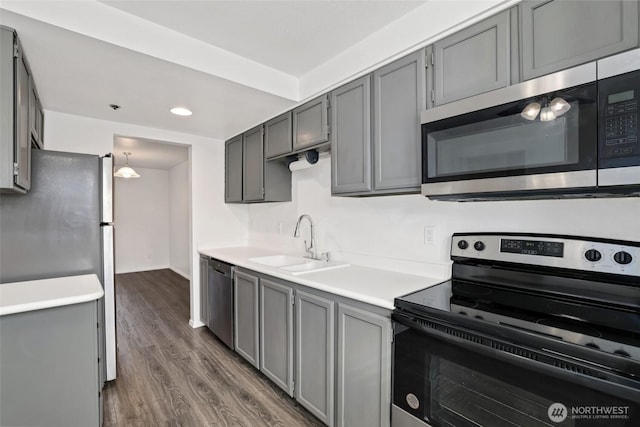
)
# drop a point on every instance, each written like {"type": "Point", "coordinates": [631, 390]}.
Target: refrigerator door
{"type": "Point", "coordinates": [109, 300]}
{"type": "Point", "coordinates": [53, 230]}
{"type": "Point", "coordinates": [106, 172]}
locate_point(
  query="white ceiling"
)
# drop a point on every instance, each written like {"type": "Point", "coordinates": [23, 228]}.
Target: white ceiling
{"type": "Point", "coordinates": [235, 64]}
{"type": "Point", "coordinates": [148, 153]}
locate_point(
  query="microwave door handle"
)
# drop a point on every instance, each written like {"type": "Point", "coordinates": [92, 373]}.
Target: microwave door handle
{"type": "Point", "coordinates": [623, 388]}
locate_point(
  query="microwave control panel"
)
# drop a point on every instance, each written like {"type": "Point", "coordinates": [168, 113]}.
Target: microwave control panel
{"type": "Point", "coordinates": [621, 124]}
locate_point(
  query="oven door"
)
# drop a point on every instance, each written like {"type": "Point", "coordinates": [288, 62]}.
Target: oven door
{"type": "Point", "coordinates": [449, 376]}
{"type": "Point", "coordinates": [536, 135]}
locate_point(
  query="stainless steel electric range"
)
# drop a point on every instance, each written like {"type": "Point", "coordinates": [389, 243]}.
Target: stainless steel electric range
{"type": "Point", "coordinates": [531, 330]}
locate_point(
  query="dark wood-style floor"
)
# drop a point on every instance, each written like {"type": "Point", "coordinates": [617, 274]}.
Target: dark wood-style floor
{"type": "Point", "coordinates": [171, 374]}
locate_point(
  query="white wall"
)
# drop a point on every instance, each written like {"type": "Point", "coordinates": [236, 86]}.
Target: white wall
{"type": "Point", "coordinates": [179, 233]}
{"type": "Point", "coordinates": [141, 220]}
{"type": "Point", "coordinates": [214, 224]}
{"type": "Point", "coordinates": [388, 232]}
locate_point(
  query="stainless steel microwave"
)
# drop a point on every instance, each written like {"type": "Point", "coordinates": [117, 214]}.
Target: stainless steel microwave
{"type": "Point", "coordinates": [573, 133]}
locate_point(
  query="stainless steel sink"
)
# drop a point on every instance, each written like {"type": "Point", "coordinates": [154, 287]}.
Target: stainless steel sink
{"type": "Point", "coordinates": [297, 265]}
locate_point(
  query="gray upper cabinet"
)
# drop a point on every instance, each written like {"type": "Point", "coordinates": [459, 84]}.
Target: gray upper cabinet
{"type": "Point", "coordinates": [36, 116]}
{"type": "Point", "coordinates": [15, 132]}
{"type": "Point", "coordinates": [278, 136]}
{"type": "Point", "coordinates": [399, 95]}
{"type": "Point", "coordinates": [351, 137]}
{"type": "Point", "coordinates": [249, 177]}
{"type": "Point", "coordinates": [253, 165]}
{"type": "Point", "coordinates": [473, 60]}
{"type": "Point", "coordinates": [246, 318]}
{"type": "Point", "coordinates": [276, 333]}
{"type": "Point", "coordinates": [364, 368]}
{"type": "Point", "coordinates": [310, 125]}
{"type": "Point", "coordinates": [315, 354]}
{"type": "Point", "coordinates": [559, 34]}
{"type": "Point", "coordinates": [233, 170]}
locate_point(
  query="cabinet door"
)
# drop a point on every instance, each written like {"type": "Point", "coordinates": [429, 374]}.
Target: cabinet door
{"type": "Point", "coordinates": [23, 135]}
{"type": "Point", "coordinates": [399, 95]}
{"type": "Point", "coordinates": [351, 137]}
{"type": "Point", "coordinates": [315, 337]}
{"type": "Point", "coordinates": [473, 61]}
{"type": "Point", "coordinates": [246, 317]}
{"type": "Point", "coordinates": [310, 125]}
{"type": "Point", "coordinates": [253, 165]}
{"type": "Point", "coordinates": [204, 290]}
{"type": "Point", "coordinates": [35, 116]}
{"type": "Point", "coordinates": [277, 136]}
{"type": "Point", "coordinates": [276, 333]}
{"type": "Point", "coordinates": [560, 34]}
{"type": "Point", "coordinates": [364, 368]}
{"type": "Point", "coordinates": [233, 170]}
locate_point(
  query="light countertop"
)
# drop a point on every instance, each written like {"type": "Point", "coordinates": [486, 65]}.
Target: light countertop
{"type": "Point", "coordinates": [368, 285]}
{"type": "Point", "coordinates": [18, 297]}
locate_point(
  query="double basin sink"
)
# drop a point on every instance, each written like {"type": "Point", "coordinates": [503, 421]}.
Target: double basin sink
{"type": "Point", "coordinates": [297, 265]}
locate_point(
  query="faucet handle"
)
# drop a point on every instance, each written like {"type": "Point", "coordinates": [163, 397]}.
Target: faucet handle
{"type": "Point", "coordinates": [325, 256]}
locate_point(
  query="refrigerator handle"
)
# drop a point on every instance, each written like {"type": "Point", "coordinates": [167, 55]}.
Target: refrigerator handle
{"type": "Point", "coordinates": [106, 181]}
{"type": "Point", "coordinates": [108, 274]}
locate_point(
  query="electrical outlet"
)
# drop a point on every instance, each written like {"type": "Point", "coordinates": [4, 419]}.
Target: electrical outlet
{"type": "Point", "coordinates": [429, 231]}
{"type": "Point", "coordinates": [279, 227]}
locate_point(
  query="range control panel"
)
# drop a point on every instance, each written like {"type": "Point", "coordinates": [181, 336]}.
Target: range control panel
{"type": "Point", "coordinates": [604, 256]}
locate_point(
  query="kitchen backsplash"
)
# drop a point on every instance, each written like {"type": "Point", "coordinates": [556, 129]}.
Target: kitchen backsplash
{"type": "Point", "coordinates": [392, 232]}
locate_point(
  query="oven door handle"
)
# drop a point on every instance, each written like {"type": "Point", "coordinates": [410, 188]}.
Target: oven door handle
{"type": "Point", "coordinates": [614, 385]}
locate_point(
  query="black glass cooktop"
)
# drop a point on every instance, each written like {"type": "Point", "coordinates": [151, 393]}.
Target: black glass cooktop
{"type": "Point", "coordinates": [608, 328]}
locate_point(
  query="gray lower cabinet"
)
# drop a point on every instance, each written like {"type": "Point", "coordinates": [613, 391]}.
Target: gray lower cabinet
{"type": "Point", "coordinates": [364, 368]}
{"type": "Point", "coordinates": [310, 124]}
{"type": "Point", "coordinates": [278, 136]}
{"type": "Point", "coordinates": [49, 370]}
{"type": "Point", "coordinates": [15, 132]}
{"type": "Point", "coordinates": [351, 137]}
{"type": "Point", "coordinates": [474, 60]}
{"type": "Point", "coordinates": [233, 170]}
{"type": "Point", "coordinates": [315, 354]}
{"type": "Point", "coordinates": [204, 289]}
{"type": "Point", "coordinates": [559, 34]}
{"type": "Point", "coordinates": [399, 95]}
{"type": "Point", "coordinates": [246, 317]}
{"type": "Point", "coordinates": [276, 333]}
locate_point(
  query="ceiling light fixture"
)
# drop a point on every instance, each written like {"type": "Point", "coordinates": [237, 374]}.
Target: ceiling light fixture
{"type": "Point", "coordinates": [181, 111]}
{"type": "Point", "coordinates": [548, 110]}
{"type": "Point", "coordinates": [126, 171]}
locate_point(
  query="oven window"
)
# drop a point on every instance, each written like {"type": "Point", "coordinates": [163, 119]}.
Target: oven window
{"type": "Point", "coordinates": [459, 393]}
{"type": "Point", "coordinates": [443, 383]}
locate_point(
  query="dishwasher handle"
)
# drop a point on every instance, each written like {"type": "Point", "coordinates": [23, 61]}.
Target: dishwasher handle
{"type": "Point", "coordinates": [221, 267]}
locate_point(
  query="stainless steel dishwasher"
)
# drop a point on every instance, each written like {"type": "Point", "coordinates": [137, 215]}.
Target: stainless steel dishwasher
{"type": "Point", "coordinates": [220, 301]}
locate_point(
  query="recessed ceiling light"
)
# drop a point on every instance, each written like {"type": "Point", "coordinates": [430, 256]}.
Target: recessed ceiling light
{"type": "Point", "coordinates": [181, 111]}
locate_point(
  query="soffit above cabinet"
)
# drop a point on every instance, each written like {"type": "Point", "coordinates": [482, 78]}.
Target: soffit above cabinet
{"type": "Point", "coordinates": [233, 63]}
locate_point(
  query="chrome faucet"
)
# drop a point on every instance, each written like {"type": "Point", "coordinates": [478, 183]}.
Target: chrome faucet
{"type": "Point", "coordinates": [311, 249]}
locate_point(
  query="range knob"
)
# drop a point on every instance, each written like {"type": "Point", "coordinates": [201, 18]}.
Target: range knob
{"type": "Point", "coordinates": [593, 255]}
{"type": "Point", "coordinates": [622, 257]}
{"type": "Point", "coordinates": [478, 246]}
{"type": "Point", "coordinates": [463, 244]}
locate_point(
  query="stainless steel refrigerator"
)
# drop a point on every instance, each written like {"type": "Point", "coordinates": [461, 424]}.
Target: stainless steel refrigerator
{"type": "Point", "coordinates": [62, 227]}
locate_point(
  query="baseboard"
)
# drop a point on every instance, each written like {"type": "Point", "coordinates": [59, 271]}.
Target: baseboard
{"type": "Point", "coordinates": [197, 324]}
{"type": "Point", "coordinates": [185, 275]}
{"type": "Point", "coordinates": [139, 269]}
